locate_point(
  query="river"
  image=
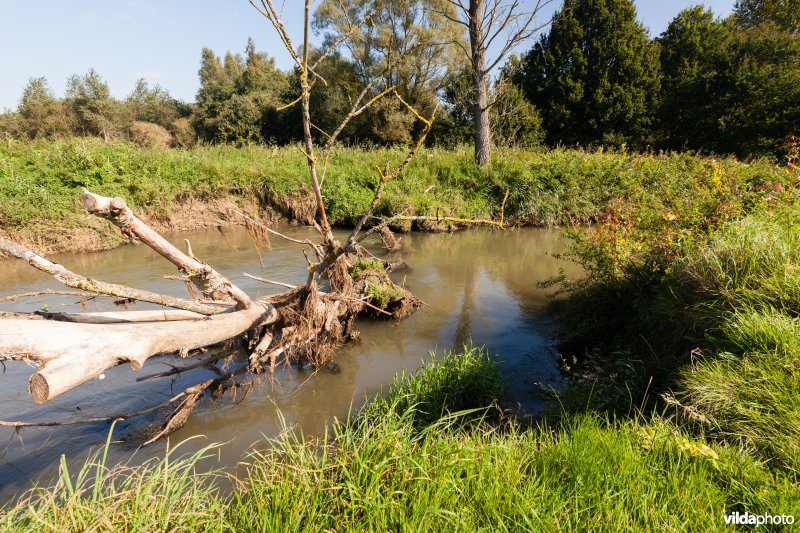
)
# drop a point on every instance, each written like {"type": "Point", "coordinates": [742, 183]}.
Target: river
{"type": "Point", "coordinates": [479, 285]}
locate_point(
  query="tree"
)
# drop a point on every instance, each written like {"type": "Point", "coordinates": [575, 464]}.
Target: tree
{"type": "Point", "coordinates": [154, 104]}
{"type": "Point", "coordinates": [405, 44]}
{"type": "Point", "coordinates": [40, 113]}
{"type": "Point", "coordinates": [595, 75]}
{"type": "Point", "coordinates": [96, 112]}
{"type": "Point", "coordinates": [760, 91]}
{"type": "Point", "coordinates": [694, 52]}
{"type": "Point", "coordinates": [238, 96]}
{"type": "Point", "coordinates": [491, 25]}
{"type": "Point", "coordinates": [728, 88]}
{"type": "Point", "coordinates": [784, 13]}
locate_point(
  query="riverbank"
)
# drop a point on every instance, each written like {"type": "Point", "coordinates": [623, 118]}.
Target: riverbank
{"type": "Point", "coordinates": [40, 184]}
{"type": "Point", "coordinates": [398, 465]}
{"type": "Point", "coordinates": [682, 340]}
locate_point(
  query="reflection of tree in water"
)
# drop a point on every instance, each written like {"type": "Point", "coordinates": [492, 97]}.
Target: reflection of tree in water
{"type": "Point", "coordinates": [516, 259]}
{"type": "Point", "coordinates": [464, 329]}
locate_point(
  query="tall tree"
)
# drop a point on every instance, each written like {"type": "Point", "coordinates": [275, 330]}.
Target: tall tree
{"type": "Point", "coordinates": [727, 88]}
{"type": "Point", "coordinates": [237, 95]}
{"type": "Point", "coordinates": [494, 28]}
{"type": "Point", "coordinates": [694, 52]}
{"type": "Point", "coordinates": [784, 13]}
{"type": "Point", "coordinates": [595, 75]}
{"type": "Point", "coordinates": [406, 44]}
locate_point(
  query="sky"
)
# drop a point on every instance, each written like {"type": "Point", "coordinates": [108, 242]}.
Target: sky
{"type": "Point", "coordinates": [124, 40]}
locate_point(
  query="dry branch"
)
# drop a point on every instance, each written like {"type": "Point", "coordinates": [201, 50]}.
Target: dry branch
{"type": "Point", "coordinates": [76, 281]}
{"type": "Point", "coordinates": [210, 282]}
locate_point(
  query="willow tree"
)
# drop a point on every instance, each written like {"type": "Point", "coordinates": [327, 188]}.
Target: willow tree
{"type": "Point", "coordinates": [407, 44]}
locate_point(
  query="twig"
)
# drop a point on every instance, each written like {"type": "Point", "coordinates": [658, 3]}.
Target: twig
{"type": "Point", "coordinates": [88, 295]}
{"type": "Point", "coordinates": [270, 282]}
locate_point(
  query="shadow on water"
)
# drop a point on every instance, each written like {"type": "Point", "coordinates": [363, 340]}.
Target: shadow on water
{"type": "Point", "coordinates": [478, 285]}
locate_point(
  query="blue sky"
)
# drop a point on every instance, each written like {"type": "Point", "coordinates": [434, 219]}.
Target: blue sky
{"type": "Point", "coordinates": [161, 40]}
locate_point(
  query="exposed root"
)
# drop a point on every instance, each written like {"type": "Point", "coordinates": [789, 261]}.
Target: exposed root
{"type": "Point", "coordinates": [390, 242]}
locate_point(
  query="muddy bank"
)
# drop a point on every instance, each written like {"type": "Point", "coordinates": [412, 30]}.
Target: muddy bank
{"type": "Point", "coordinates": [87, 233]}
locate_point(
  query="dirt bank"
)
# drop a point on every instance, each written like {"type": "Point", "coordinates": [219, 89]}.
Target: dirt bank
{"type": "Point", "coordinates": [86, 233]}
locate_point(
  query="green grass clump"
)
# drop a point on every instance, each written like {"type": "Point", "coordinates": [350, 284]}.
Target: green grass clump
{"type": "Point", "coordinates": [160, 495]}
{"type": "Point", "coordinates": [432, 456]}
{"type": "Point", "coordinates": [363, 265]}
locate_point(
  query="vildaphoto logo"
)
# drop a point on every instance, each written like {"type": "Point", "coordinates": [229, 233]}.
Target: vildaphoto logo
{"type": "Point", "coordinates": [742, 519]}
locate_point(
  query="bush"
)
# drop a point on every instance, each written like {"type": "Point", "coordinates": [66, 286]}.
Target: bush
{"type": "Point", "coordinates": [149, 135]}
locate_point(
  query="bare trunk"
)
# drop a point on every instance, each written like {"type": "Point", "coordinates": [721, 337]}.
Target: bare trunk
{"type": "Point", "coordinates": [483, 136]}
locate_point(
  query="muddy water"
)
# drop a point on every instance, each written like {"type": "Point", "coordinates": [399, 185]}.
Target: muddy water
{"type": "Point", "coordinates": [479, 285]}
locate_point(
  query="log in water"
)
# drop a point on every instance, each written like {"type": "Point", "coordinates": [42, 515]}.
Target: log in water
{"type": "Point", "coordinates": [478, 284]}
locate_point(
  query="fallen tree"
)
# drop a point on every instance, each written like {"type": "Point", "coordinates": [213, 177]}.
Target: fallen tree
{"type": "Point", "coordinates": [303, 325]}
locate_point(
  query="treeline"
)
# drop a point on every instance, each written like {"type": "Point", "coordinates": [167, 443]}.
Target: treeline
{"type": "Point", "coordinates": [595, 77]}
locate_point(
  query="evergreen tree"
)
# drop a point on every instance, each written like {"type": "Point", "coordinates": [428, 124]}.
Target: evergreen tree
{"type": "Point", "coordinates": [595, 75]}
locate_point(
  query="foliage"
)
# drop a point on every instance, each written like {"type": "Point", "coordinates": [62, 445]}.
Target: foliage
{"type": "Point", "coordinates": [728, 89]}
{"type": "Point", "coordinates": [95, 112]}
{"type": "Point", "coordinates": [594, 76]}
{"type": "Point", "coordinates": [238, 96]}
{"type": "Point", "coordinates": [691, 304]}
{"type": "Point", "coordinates": [784, 13]}
{"type": "Point", "coordinates": [692, 56]}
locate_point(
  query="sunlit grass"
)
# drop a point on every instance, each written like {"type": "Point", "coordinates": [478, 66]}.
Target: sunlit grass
{"type": "Point", "coordinates": [399, 465]}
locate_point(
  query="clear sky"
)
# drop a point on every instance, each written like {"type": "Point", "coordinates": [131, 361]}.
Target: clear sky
{"type": "Point", "coordinates": [161, 40]}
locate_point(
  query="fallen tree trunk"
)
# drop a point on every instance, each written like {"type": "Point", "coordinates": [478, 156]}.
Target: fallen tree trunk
{"type": "Point", "coordinates": [122, 317]}
{"type": "Point", "coordinates": [69, 354]}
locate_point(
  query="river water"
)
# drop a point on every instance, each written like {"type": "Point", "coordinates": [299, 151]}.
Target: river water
{"type": "Point", "coordinates": [478, 285]}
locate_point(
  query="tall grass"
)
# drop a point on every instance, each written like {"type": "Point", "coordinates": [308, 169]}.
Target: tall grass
{"type": "Point", "coordinates": [396, 466]}
{"type": "Point", "coordinates": [40, 182]}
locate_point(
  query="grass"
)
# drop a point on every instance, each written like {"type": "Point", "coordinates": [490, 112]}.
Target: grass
{"type": "Point", "coordinates": [689, 310]}
{"type": "Point", "coordinates": [699, 320]}
{"type": "Point", "coordinates": [434, 455]}
{"type": "Point", "coordinates": [40, 183]}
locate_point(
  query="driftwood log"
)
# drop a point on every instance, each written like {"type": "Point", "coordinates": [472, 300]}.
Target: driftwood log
{"type": "Point", "coordinates": [71, 348]}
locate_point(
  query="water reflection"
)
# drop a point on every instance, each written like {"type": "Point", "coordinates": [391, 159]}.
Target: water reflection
{"type": "Point", "coordinates": [478, 285]}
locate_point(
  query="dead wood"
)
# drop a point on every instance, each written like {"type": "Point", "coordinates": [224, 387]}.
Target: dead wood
{"type": "Point", "coordinates": [69, 353]}
{"type": "Point", "coordinates": [211, 283]}
{"type": "Point", "coordinates": [76, 281]}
